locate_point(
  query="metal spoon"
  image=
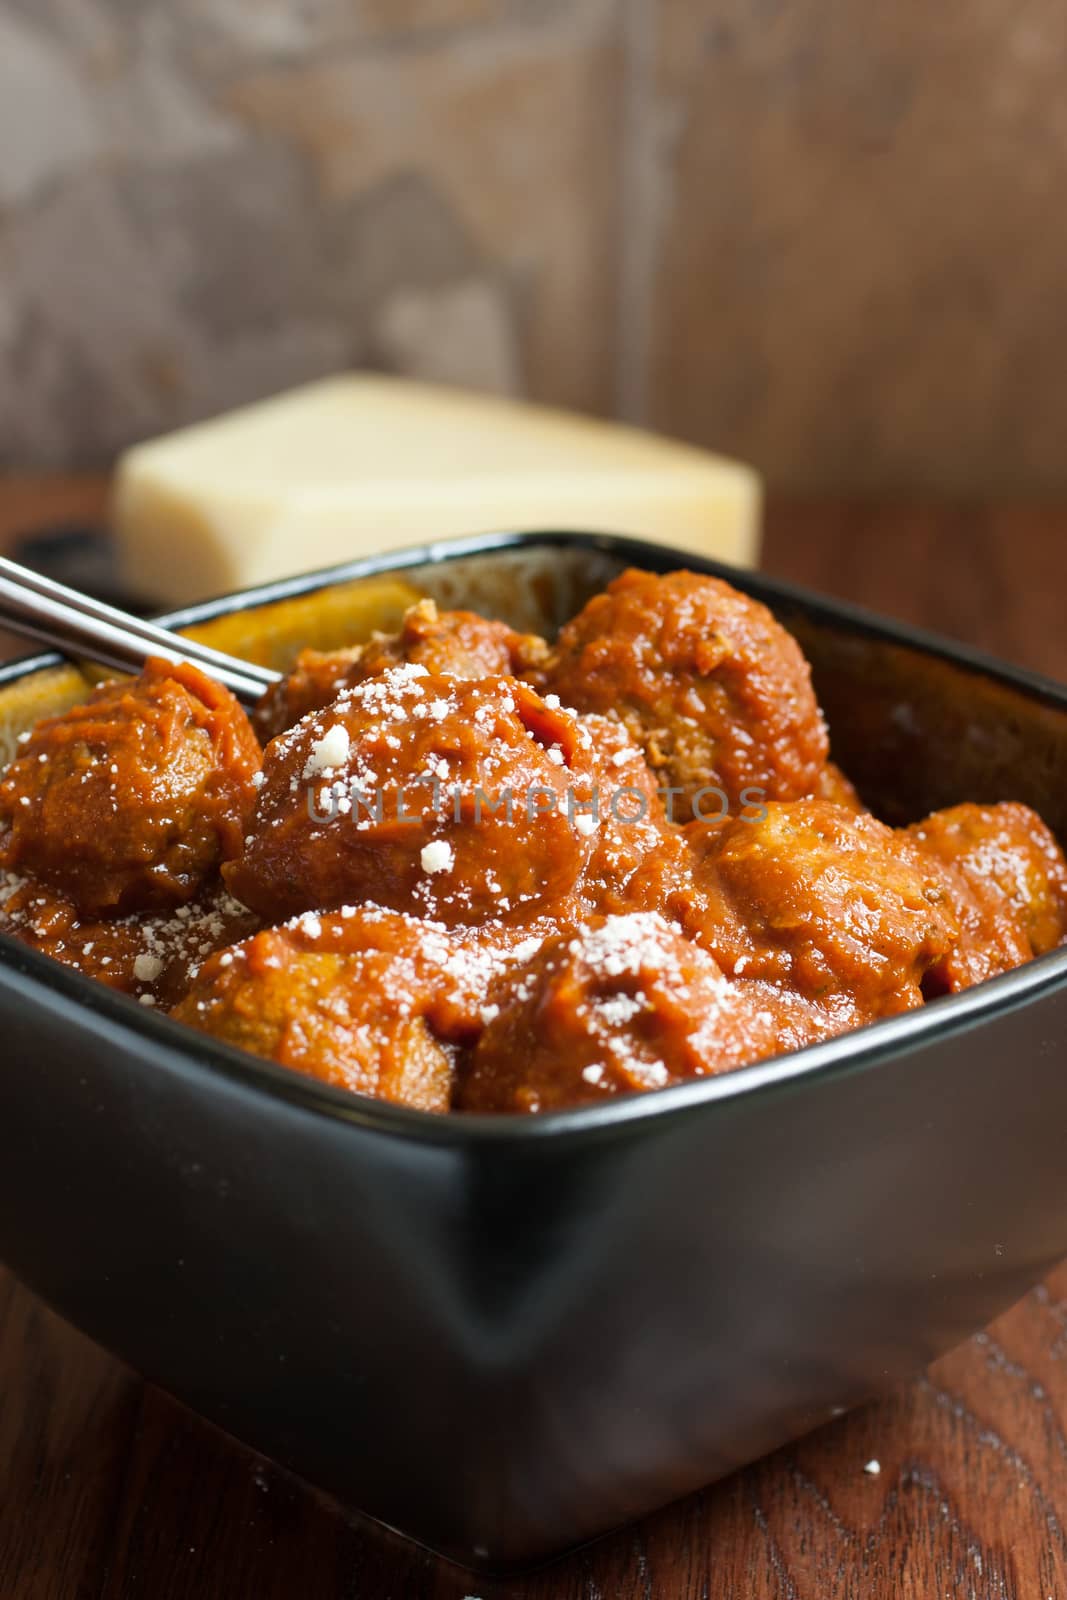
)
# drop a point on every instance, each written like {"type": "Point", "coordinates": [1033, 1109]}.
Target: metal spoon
{"type": "Point", "coordinates": [37, 608]}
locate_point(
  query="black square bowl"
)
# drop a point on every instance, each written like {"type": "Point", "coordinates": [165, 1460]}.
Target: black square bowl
{"type": "Point", "coordinates": [503, 1336]}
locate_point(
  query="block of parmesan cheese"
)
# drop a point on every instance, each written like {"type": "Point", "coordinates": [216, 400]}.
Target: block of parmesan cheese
{"type": "Point", "coordinates": [361, 464]}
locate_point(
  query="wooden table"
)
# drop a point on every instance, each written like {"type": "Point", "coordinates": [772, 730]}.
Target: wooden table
{"type": "Point", "coordinates": [110, 1491]}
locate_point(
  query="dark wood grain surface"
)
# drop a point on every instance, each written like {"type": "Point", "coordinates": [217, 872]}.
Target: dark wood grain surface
{"type": "Point", "coordinates": [110, 1491]}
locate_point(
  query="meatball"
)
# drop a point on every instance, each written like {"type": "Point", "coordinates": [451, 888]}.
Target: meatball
{"type": "Point", "coordinates": [831, 903]}
{"type": "Point", "coordinates": [318, 677]}
{"type": "Point", "coordinates": [450, 644]}
{"type": "Point", "coordinates": [153, 955]}
{"type": "Point", "coordinates": [717, 694]}
{"type": "Point", "coordinates": [622, 1006]}
{"type": "Point", "coordinates": [342, 999]}
{"type": "Point", "coordinates": [45, 919]}
{"type": "Point", "coordinates": [472, 967]}
{"type": "Point", "coordinates": [130, 801]}
{"type": "Point", "coordinates": [464, 800]}
{"type": "Point", "coordinates": [1006, 880]}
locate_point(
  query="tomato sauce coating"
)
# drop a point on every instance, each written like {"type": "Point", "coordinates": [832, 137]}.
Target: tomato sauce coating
{"type": "Point", "coordinates": [454, 644]}
{"type": "Point", "coordinates": [637, 854]}
{"type": "Point", "coordinates": [713, 689]}
{"type": "Point", "coordinates": [342, 999]}
{"type": "Point", "coordinates": [130, 801]}
{"type": "Point", "coordinates": [469, 872]}
{"type": "Point", "coordinates": [152, 955]}
{"type": "Point", "coordinates": [462, 800]}
{"type": "Point", "coordinates": [623, 1005]}
{"type": "Point", "coordinates": [1006, 880]}
{"type": "Point", "coordinates": [821, 899]}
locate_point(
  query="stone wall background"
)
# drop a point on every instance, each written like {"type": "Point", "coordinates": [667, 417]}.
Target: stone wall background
{"type": "Point", "coordinates": [829, 238]}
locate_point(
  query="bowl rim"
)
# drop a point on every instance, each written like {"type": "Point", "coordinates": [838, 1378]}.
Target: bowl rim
{"type": "Point", "coordinates": [862, 1049]}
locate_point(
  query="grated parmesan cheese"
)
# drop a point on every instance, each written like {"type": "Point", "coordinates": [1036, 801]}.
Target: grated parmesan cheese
{"type": "Point", "coordinates": [437, 856]}
{"type": "Point", "coordinates": [328, 752]}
